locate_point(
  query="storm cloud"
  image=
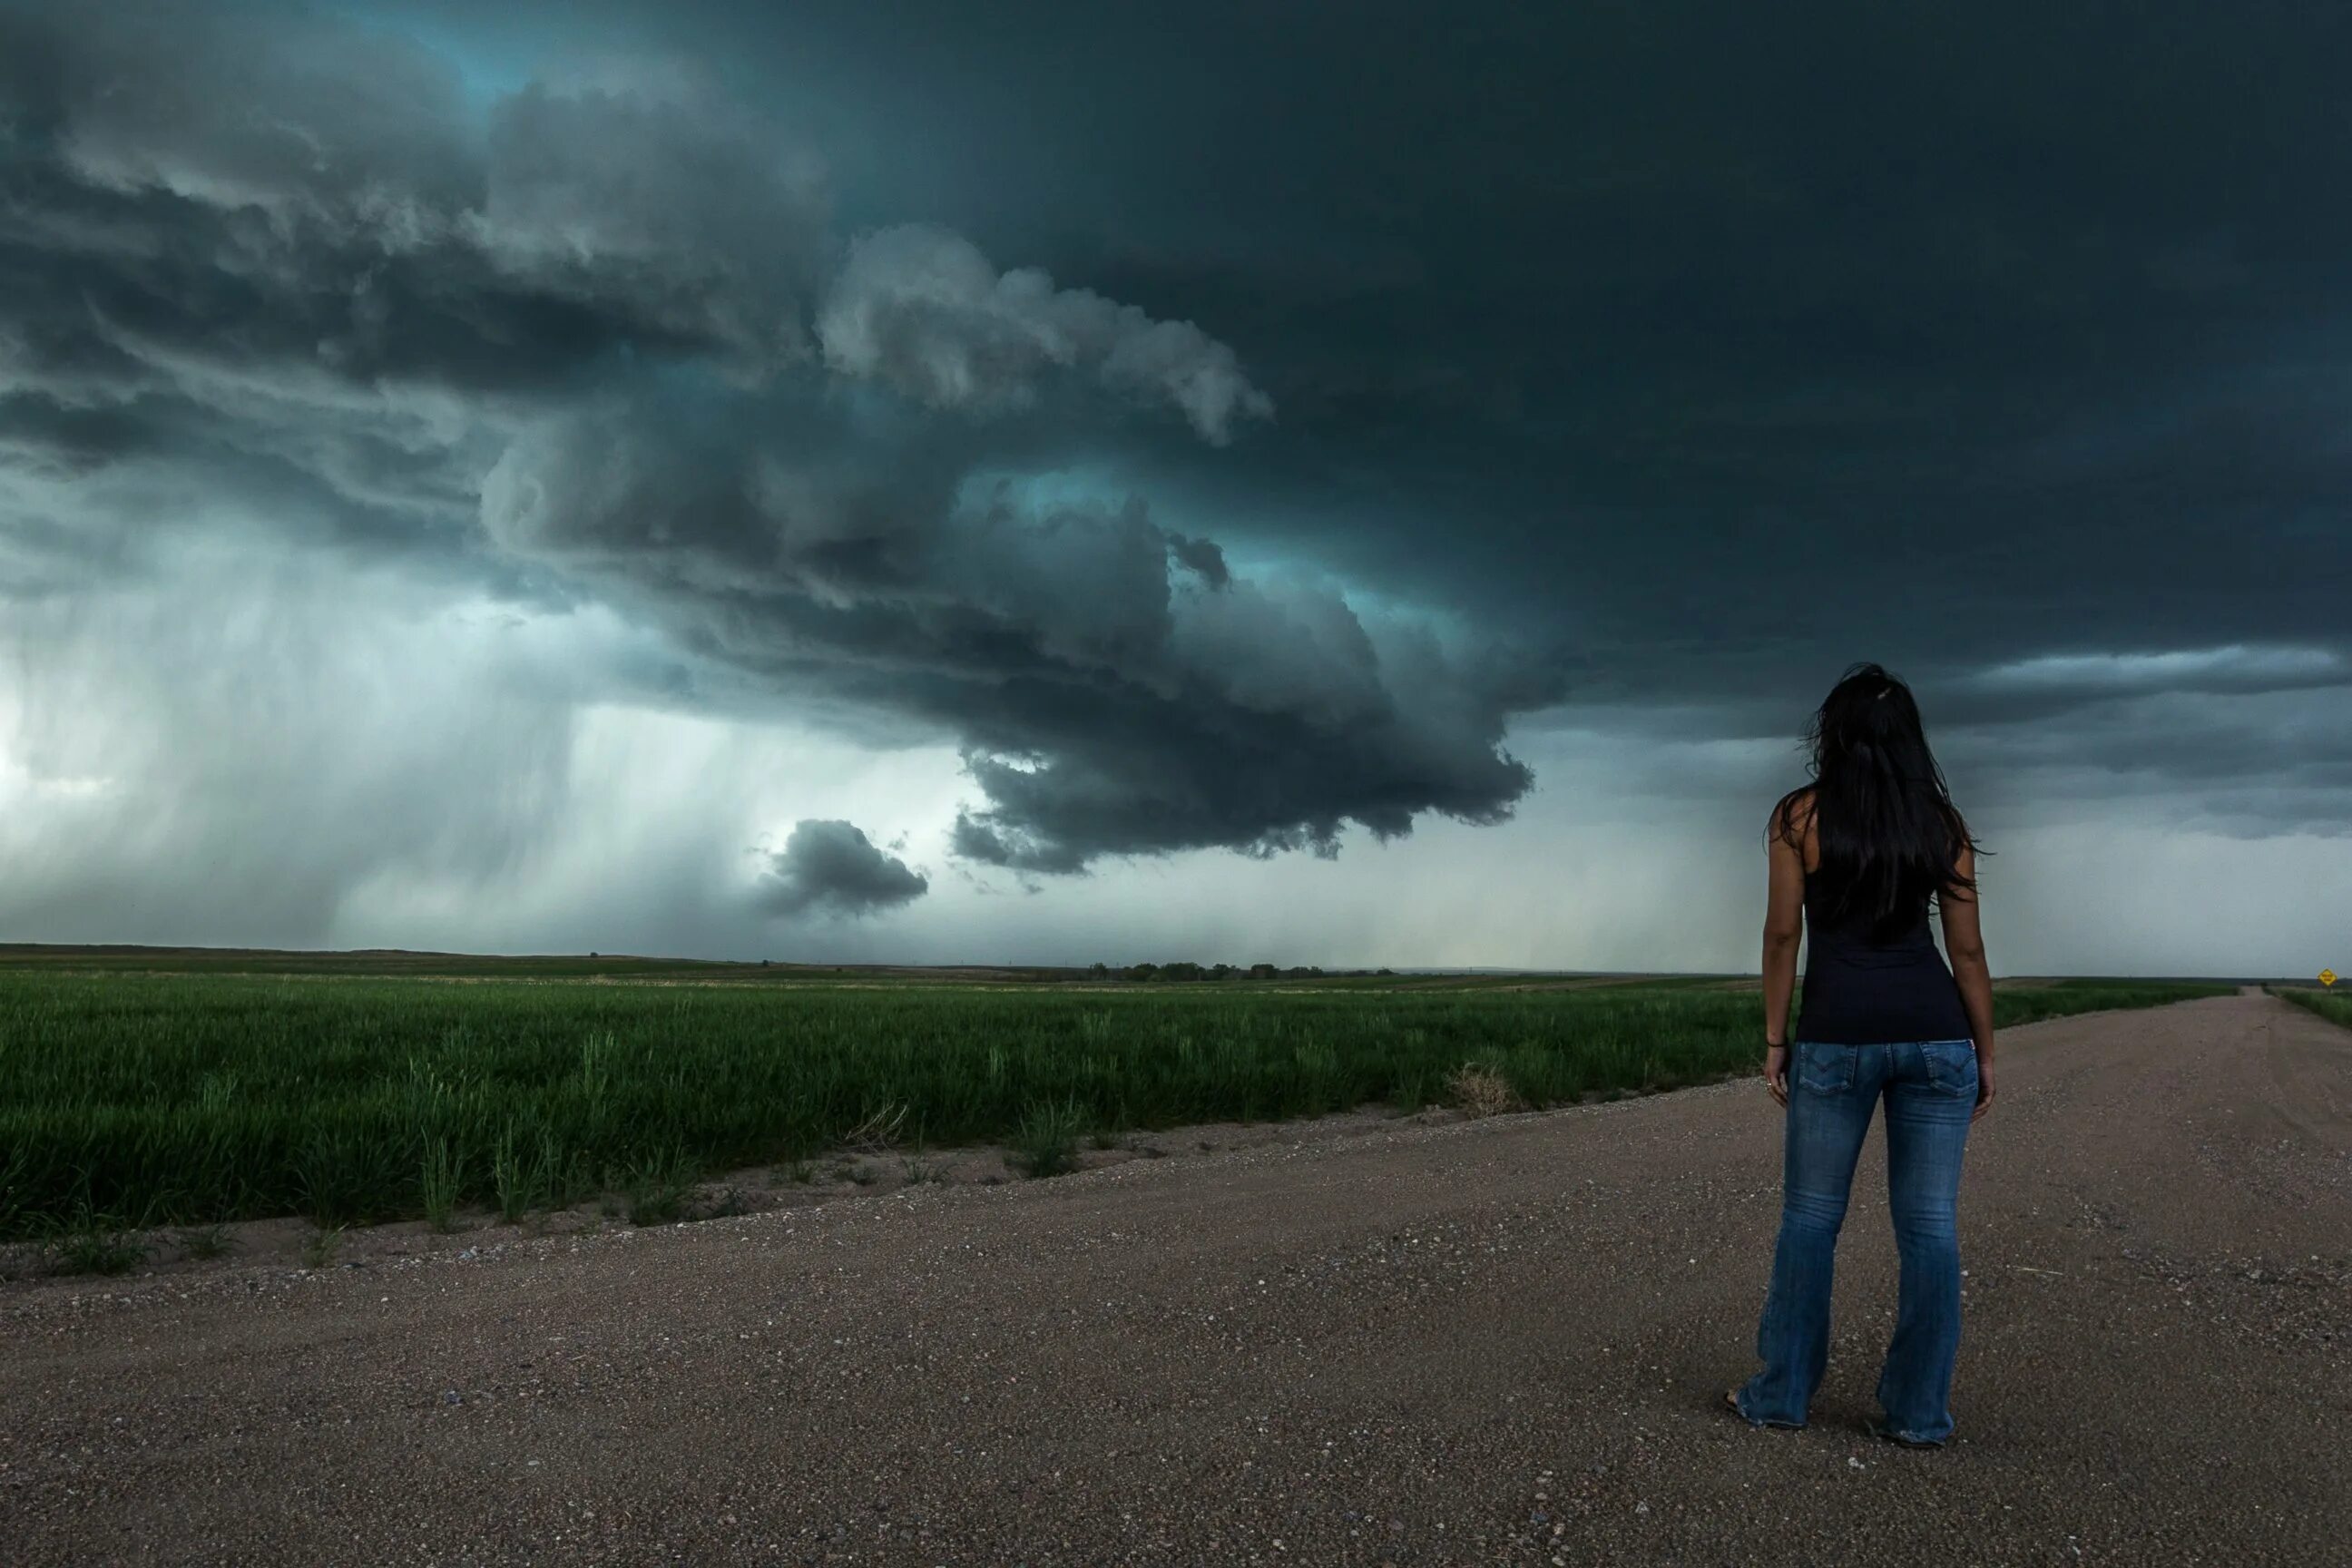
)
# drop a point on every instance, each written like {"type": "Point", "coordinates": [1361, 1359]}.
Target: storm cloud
{"type": "Point", "coordinates": [596, 317]}
{"type": "Point", "coordinates": [833, 868]}
{"type": "Point", "coordinates": [1113, 697]}
{"type": "Point", "coordinates": [1215, 431]}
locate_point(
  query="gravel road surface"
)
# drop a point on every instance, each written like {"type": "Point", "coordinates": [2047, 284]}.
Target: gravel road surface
{"type": "Point", "coordinates": [1500, 1340]}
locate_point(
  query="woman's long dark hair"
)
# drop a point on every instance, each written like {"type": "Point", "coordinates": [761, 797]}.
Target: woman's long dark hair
{"type": "Point", "coordinates": [1890, 838]}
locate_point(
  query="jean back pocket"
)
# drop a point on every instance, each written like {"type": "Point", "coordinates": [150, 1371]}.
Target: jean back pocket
{"type": "Point", "coordinates": [1951, 1066]}
{"type": "Point", "coordinates": [1824, 1069]}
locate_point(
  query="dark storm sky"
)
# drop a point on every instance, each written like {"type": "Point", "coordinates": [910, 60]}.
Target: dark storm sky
{"type": "Point", "coordinates": [1104, 435]}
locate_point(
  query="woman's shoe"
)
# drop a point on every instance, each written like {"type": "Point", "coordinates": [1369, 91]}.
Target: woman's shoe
{"type": "Point", "coordinates": [1880, 1429]}
{"type": "Point", "coordinates": [1731, 1403]}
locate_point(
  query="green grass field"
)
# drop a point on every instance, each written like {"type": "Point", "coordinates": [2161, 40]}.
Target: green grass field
{"type": "Point", "coordinates": [2335, 1005]}
{"type": "Point", "coordinates": [132, 1097]}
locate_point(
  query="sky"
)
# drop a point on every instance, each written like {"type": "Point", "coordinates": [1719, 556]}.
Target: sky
{"type": "Point", "coordinates": [896, 480]}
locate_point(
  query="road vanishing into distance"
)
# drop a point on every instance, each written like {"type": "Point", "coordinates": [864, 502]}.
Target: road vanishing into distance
{"type": "Point", "coordinates": [1495, 1341]}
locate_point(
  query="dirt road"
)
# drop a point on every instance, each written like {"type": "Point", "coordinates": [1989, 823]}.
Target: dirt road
{"type": "Point", "coordinates": [1489, 1342]}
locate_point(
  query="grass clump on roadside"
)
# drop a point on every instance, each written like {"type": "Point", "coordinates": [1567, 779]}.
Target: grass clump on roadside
{"type": "Point", "coordinates": [205, 1241]}
{"type": "Point", "coordinates": [439, 1183]}
{"type": "Point", "coordinates": [89, 1242]}
{"type": "Point", "coordinates": [658, 1187]}
{"type": "Point", "coordinates": [1046, 1142]}
{"type": "Point", "coordinates": [205, 1099]}
{"type": "Point", "coordinates": [526, 1171]}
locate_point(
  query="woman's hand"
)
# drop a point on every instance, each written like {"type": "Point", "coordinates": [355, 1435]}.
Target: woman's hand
{"type": "Point", "coordinates": [1776, 1072]}
{"type": "Point", "coordinates": [1984, 1086]}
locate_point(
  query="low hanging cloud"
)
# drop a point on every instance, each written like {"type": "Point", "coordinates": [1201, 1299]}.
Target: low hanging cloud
{"type": "Point", "coordinates": [601, 341]}
{"type": "Point", "coordinates": [832, 868]}
{"type": "Point", "coordinates": [1117, 689]}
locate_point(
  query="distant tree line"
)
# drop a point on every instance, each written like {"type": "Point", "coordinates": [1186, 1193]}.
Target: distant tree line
{"type": "Point", "coordinates": [1187, 970]}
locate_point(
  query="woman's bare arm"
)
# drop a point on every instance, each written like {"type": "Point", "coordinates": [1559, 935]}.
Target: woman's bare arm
{"type": "Point", "coordinates": [1964, 945]}
{"type": "Point", "coordinates": [1784, 925]}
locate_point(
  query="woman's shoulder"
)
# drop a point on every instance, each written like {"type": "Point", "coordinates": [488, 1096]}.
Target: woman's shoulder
{"type": "Point", "coordinates": [1793, 808]}
{"type": "Point", "coordinates": [1792, 817]}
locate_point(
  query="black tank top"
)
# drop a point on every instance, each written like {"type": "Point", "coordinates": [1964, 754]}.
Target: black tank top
{"type": "Point", "coordinates": [1859, 991]}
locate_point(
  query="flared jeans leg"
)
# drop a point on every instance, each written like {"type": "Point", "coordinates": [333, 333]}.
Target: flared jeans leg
{"type": "Point", "coordinates": [1828, 1115]}
{"type": "Point", "coordinates": [1928, 1118]}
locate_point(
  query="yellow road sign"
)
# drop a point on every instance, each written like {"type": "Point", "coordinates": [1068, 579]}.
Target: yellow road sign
{"type": "Point", "coordinates": [2328, 977]}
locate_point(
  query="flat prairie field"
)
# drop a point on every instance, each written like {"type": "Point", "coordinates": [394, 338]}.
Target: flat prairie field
{"type": "Point", "coordinates": [204, 1092]}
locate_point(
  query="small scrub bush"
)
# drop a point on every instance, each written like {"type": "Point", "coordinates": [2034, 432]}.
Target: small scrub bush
{"type": "Point", "coordinates": [1481, 1091]}
{"type": "Point", "coordinates": [879, 1133]}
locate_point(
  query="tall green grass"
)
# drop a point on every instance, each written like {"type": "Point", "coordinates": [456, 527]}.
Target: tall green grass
{"type": "Point", "coordinates": [193, 1100]}
{"type": "Point", "coordinates": [2336, 1006]}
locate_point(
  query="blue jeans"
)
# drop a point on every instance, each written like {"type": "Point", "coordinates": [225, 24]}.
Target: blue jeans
{"type": "Point", "coordinates": [1931, 1089]}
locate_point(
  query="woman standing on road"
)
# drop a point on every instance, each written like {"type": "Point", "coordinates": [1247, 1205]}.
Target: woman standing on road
{"type": "Point", "coordinates": [1856, 856]}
